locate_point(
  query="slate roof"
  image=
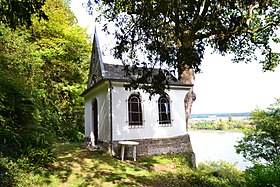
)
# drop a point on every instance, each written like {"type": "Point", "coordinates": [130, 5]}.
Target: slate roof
{"type": "Point", "coordinates": [100, 72]}
{"type": "Point", "coordinates": [116, 72]}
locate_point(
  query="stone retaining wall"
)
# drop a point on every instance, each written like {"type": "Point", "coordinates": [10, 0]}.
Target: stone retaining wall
{"type": "Point", "coordinates": [149, 147]}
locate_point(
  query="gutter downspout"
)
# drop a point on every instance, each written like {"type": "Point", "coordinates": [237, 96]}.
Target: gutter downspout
{"type": "Point", "coordinates": [110, 118]}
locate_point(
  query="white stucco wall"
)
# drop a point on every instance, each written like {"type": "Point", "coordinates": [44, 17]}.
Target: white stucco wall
{"type": "Point", "coordinates": [87, 116]}
{"type": "Point", "coordinates": [101, 94]}
{"type": "Point", "coordinates": [151, 129]}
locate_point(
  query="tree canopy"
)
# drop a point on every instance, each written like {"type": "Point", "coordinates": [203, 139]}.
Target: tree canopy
{"type": "Point", "coordinates": [43, 70]}
{"type": "Point", "coordinates": [16, 13]}
{"type": "Point", "coordinates": [175, 33]}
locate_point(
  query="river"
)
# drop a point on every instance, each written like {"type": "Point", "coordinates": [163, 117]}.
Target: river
{"type": "Point", "coordinates": [217, 145]}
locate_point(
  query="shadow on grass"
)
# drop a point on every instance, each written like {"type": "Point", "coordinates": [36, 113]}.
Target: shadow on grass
{"type": "Point", "coordinates": [79, 166]}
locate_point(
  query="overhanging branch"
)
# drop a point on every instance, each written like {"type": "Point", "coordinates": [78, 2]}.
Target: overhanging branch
{"type": "Point", "coordinates": [263, 27]}
{"type": "Point", "coordinates": [250, 13]}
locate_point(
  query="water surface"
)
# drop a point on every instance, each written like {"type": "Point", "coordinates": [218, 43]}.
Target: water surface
{"type": "Point", "coordinates": [217, 145]}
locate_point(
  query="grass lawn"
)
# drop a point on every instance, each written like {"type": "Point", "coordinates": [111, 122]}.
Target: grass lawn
{"type": "Point", "coordinates": [78, 166]}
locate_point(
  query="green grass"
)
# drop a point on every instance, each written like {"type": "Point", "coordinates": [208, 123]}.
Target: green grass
{"type": "Point", "coordinates": [77, 166]}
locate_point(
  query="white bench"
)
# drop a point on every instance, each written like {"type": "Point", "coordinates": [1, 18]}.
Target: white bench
{"type": "Point", "coordinates": [124, 143]}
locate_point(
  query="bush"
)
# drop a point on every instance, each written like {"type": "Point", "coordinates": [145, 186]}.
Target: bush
{"type": "Point", "coordinates": [261, 145]}
{"type": "Point", "coordinates": [263, 175]}
{"type": "Point", "coordinates": [211, 174]}
{"type": "Point", "coordinates": [263, 142]}
{"type": "Point", "coordinates": [221, 125]}
{"type": "Point", "coordinates": [18, 173]}
{"type": "Point", "coordinates": [219, 174]}
{"type": "Point", "coordinates": [7, 178]}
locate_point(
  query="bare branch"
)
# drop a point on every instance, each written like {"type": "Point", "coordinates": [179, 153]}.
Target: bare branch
{"type": "Point", "coordinates": [204, 35]}
{"type": "Point", "coordinates": [250, 13]}
{"type": "Point", "coordinates": [205, 8]}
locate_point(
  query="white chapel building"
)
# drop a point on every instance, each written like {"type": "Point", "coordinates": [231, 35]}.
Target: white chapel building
{"type": "Point", "coordinates": [113, 114]}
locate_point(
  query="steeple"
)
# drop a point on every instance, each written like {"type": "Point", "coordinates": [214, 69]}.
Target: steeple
{"type": "Point", "coordinates": [96, 71]}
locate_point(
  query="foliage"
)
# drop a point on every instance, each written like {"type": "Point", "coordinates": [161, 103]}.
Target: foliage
{"type": "Point", "coordinates": [48, 60]}
{"type": "Point", "coordinates": [262, 144]}
{"type": "Point", "coordinates": [77, 166]}
{"type": "Point", "coordinates": [42, 72]}
{"type": "Point", "coordinates": [219, 174]}
{"type": "Point", "coordinates": [6, 175]}
{"type": "Point", "coordinates": [175, 33]}
{"type": "Point", "coordinates": [220, 124]}
{"type": "Point", "coordinates": [206, 174]}
{"type": "Point", "coordinates": [17, 13]}
{"type": "Point", "coordinates": [62, 49]}
{"type": "Point", "coordinates": [15, 173]}
{"type": "Point", "coordinates": [263, 175]}
{"type": "Point", "coordinates": [20, 128]}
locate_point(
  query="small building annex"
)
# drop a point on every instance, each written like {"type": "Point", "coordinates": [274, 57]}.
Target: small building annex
{"type": "Point", "coordinates": [113, 114]}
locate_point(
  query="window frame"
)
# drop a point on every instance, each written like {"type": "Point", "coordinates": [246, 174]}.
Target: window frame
{"type": "Point", "coordinates": [137, 112]}
{"type": "Point", "coordinates": [168, 121]}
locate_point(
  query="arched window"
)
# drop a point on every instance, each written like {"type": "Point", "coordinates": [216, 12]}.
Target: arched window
{"type": "Point", "coordinates": [164, 110]}
{"type": "Point", "coordinates": [135, 110]}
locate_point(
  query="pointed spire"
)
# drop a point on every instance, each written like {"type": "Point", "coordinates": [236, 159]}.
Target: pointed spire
{"type": "Point", "coordinates": [97, 70]}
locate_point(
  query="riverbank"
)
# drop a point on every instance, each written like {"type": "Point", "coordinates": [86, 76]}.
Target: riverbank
{"type": "Point", "coordinates": [220, 124]}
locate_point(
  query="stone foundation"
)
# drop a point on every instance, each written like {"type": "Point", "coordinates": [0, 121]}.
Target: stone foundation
{"type": "Point", "coordinates": [149, 147]}
{"type": "Point", "coordinates": [87, 141]}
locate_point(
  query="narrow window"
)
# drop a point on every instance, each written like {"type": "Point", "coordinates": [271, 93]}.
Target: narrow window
{"type": "Point", "coordinates": [164, 110]}
{"type": "Point", "coordinates": [135, 110]}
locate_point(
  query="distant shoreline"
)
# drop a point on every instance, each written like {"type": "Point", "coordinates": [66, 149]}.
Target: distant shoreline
{"type": "Point", "coordinates": [223, 121]}
{"type": "Point", "coordinates": [216, 130]}
{"type": "Point", "coordinates": [220, 115]}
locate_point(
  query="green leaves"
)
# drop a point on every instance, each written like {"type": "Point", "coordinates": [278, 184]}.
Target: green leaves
{"type": "Point", "coordinates": [175, 33]}
{"type": "Point", "coordinates": [16, 13]}
{"type": "Point", "coordinates": [62, 49]}
{"type": "Point", "coordinates": [43, 69]}
{"type": "Point", "coordinates": [263, 143]}
{"type": "Point", "coordinates": [261, 146]}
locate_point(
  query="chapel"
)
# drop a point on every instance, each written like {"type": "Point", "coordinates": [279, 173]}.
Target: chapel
{"type": "Point", "coordinates": [114, 114]}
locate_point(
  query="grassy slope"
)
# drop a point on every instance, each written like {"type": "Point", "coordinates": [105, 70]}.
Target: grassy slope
{"type": "Point", "coordinates": [78, 166]}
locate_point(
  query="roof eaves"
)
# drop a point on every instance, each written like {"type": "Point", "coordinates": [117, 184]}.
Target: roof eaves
{"type": "Point", "coordinates": [100, 82]}
{"type": "Point", "coordinates": [126, 81]}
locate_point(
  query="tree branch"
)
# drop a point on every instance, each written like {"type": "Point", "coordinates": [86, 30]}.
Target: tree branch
{"type": "Point", "coordinates": [263, 27]}
{"type": "Point", "coordinates": [205, 8]}
{"type": "Point", "coordinates": [205, 35]}
{"type": "Point", "coordinates": [250, 13]}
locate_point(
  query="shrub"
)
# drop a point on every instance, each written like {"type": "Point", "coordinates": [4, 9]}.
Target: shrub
{"type": "Point", "coordinates": [263, 142]}
{"type": "Point", "coordinates": [210, 174]}
{"type": "Point", "coordinates": [219, 174]}
{"type": "Point", "coordinates": [261, 145]}
{"type": "Point", "coordinates": [6, 175]}
{"type": "Point", "coordinates": [263, 175]}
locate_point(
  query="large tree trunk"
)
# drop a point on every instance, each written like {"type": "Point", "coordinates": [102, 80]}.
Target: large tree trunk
{"type": "Point", "coordinates": [188, 101]}
{"type": "Point", "coordinates": [188, 77]}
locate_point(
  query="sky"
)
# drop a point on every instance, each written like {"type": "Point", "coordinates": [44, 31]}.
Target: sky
{"type": "Point", "coordinates": [222, 87]}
